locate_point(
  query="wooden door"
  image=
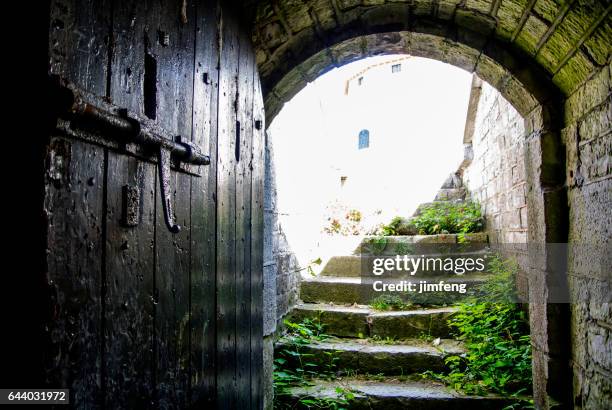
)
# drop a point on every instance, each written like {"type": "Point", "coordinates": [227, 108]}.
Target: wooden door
{"type": "Point", "coordinates": [142, 317]}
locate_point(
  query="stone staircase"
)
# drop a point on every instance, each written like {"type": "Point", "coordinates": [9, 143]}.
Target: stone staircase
{"type": "Point", "coordinates": [378, 353]}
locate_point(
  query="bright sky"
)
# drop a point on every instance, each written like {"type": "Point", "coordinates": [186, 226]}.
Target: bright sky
{"type": "Point", "coordinates": [416, 120]}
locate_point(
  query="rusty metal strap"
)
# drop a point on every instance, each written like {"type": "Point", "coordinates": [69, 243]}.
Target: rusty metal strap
{"type": "Point", "coordinates": [89, 113]}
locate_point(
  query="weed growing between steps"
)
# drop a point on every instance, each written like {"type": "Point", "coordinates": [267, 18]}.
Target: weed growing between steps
{"type": "Point", "coordinates": [496, 335]}
{"type": "Point", "coordinates": [389, 302]}
{"type": "Point", "coordinates": [294, 368]}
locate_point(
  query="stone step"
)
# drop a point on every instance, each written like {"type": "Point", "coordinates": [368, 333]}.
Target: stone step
{"type": "Point", "coordinates": [395, 395]}
{"type": "Point", "coordinates": [362, 321]}
{"type": "Point", "coordinates": [357, 266]}
{"type": "Point", "coordinates": [359, 356]}
{"type": "Point", "coordinates": [349, 290]}
{"type": "Point", "coordinates": [442, 244]}
{"type": "Point", "coordinates": [451, 194]}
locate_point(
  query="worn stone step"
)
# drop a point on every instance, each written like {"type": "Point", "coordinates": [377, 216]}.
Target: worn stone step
{"type": "Point", "coordinates": [361, 356]}
{"type": "Point", "coordinates": [395, 395]}
{"type": "Point", "coordinates": [362, 321]}
{"type": "Point", "coordinates": [349, 290]}
{"type": "Point", "coordinates": [423, 244]}
{"type": "Point", "coordinates": [451, 194]}
{"type": "Point", "coordinates": [358, 266]}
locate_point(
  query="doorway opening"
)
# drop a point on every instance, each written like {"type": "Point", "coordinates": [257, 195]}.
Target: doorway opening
{"type": "Point", "coordinates": [387, 157]}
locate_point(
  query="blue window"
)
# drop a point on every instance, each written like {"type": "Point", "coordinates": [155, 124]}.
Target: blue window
{"type": "Point", "coordinates": [364, 139]}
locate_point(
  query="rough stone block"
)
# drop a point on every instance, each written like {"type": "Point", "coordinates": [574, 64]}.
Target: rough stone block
{"type": "Point", "coordinates": [295, 14]}
{"type": "Point", "coordinates": [530, 35]}
{"type": "Point", "coordinates": [598, 45]}
{"type": "Point", "coordinates": [509, 14]}
{"type": "Point", "coordinates": [573, 73]}
{"type": "Point", "coordinates": [592, 93]}
{"type": "Point", "coordinates": [391, 17]}
{"type": "Point", "coordinates": [387, 43]}
{"type": "Point", "coordinates": [548, 9]}
{"type": "Point", "coordinates": [348, 51]}
{"type": "Point", "coordinates": [482, 6]}
{"type": "Point", "coordinates": [596, 123]}
{"type": "Point", "coordinates": [475, 21]}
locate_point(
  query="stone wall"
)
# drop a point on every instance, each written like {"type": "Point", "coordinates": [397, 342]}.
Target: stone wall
{"type": "Point", "coordinates": [588, 138]}
{"type": "Point", "coordinates": [281, 270]}
{"type": "Point", "coordinates": [495, 176]}
{"type": "Point", "coordinates": [494, 172]}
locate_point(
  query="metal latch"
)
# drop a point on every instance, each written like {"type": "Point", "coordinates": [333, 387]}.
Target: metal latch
{"type": "Point", "coordinates": [87, 112]}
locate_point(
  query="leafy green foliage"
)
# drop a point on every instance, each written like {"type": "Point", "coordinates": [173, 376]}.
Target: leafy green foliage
{"type": "Point", "coordinates": [448, 217]}
{"type": "Point", "coordinates": [375, 245]}
{"type": "Point", "coordinates": [501, 286]}
{"type": "Point", "coordinates": [389, 302]}
{"type": "Point", "coordinates": [397, 227]}
{"type": "Point", "coordinates": [496, 336]}
{"type": "Point", "coordinates": [294, 368]}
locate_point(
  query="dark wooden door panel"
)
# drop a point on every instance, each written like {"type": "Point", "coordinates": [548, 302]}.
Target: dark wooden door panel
{"type": "Point", "coordinates": [244, 138]}
{"type": "Point", "coordinates": [130, 285]}
{"type": "Point", "coordinates": [73, 208]}
{"type": "Point", "coordinates": [226, 215]}
{"type": "Point", "coordinates": [203, 209]}
{"type": "Point", "coordinates": [143, 317]}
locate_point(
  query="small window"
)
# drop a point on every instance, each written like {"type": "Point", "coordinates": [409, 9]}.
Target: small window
{"type": "Point", "coordinates": [396, 68]}
{"type": "Point", "coordinates": [360, 81]}
{"type": "Point", "coordinates": [364, 139]}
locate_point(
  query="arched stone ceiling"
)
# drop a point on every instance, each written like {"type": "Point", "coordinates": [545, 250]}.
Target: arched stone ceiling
{"type": "Point", "coordinates": [527, 49]}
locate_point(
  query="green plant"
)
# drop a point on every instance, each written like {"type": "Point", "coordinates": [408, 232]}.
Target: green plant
{"type": "Point", "coordinates": [402, 248]}
{"type": "Point", "coordinates": [426, 336]}
{"type": "Point", "coordinates": [388, 302]}
{"type": "Point", "coordinates": [376, 245]}
{"type": "Point", "coordinates": [294, 368]}
{"type": "Point", "coordinates": [496, 336]}
{"type": "Point", "coordinates": [448, 217]}
{"type": "Point", "coordinates": [343, 396]}
{"type": "Point", "coordinates": [501, 285]}
{"type": "Point", "coordinates": [383, 340]}
{"type": "Point", "coordinates": [309, 267]}
{"type": "Point", "coordinates": [398, 226]}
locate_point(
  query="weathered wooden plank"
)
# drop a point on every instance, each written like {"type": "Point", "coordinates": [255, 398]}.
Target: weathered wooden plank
{"type": "Point", "coordinates": [73, 206]}
{"type": "Point", "coordinates": [203, 210]}
{"type": "Point", "coordinates": [244, 136]}
{"type": "Point", "coordinates": [78, 42]}
{"type": "Point", "coordinates": [130, 308]}
{"type": "Point", "coordinates": [257, 229]}
{"type": "Point", "coordinates": [226, 215]}
{"type": "Point", "coordinates": [171, 43]}
{"type": "Point", "coordinates": [172, 309]}
{"type": "Point", "coordinates": [129, 280]}
{"type": "Point", "coordinates": [127, 69]}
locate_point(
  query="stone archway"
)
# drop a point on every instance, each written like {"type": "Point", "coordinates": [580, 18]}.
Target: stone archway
{"type": "Point", "coordinates": [550, 61]}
